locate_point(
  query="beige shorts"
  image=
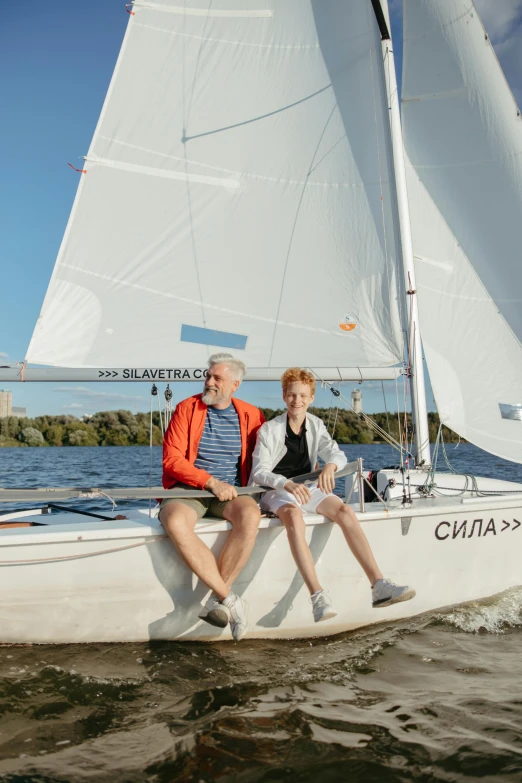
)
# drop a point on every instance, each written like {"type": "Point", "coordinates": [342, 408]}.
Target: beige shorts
{"type": "Point", "coordinates": [211, 507]}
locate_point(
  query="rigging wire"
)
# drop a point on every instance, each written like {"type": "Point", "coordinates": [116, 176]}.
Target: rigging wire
{"type": "Point", "coordinates": [399, 419]}
{"type": "Point", "coordinates": [363, 416]}
{"type": "Point", "coordinates": [153, 393]}
{"type": "Point", "coordinates": [386, 408]}
{"type": "Point", "coordinates": [162, 428]}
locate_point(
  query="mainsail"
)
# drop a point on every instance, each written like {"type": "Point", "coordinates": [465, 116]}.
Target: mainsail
{"type": "Point", "coordinates": [238, 194]}
{"type": "Point", "coordinates": [463, 136]}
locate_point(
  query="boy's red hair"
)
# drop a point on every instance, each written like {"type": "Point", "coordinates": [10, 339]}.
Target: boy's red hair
{"type": "Point", "coordinates": [297, 375]}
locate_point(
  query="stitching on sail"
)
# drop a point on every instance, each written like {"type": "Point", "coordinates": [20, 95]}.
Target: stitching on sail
{"type": "Point", "coordinates": [248, 174]}
{"type": "Point", "coordinates": [450, 23]}
{"type": "Point", "coordinates": [224, 13]}
{"type": "Point", "coordinates": [183, 176]}
{"type": "Point", "coordinates": [195, 257]}
{"type": "Point", "coordinates": [445, 265]}
{"type": "Point", "coordinates": [226, 41]}
{"type": "Point", "coordinates": [464, 163]}
{"type": "Point", "coordinates": [434, 96]}
{"type": "Point", "coordinates": [167, 295]}
{"type": "Point", "coordinates": [468, 298]}
{"type": "Point", "coordinates": [292, 232]}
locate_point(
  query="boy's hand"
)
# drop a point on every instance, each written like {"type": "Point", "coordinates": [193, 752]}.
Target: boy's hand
{"type": "Point", "coordinates": [221, 489]}
{"type": "Point", "coordinates": [299, 491]}
{"type": "Point", "coordinates": [326, 480]}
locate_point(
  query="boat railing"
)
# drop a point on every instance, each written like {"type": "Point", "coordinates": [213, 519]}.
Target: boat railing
{"type": "Point", "coordinates": [55, 494]}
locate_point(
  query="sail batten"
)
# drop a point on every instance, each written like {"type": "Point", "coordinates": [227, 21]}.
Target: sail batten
{"type": "Point", "coordinates": [239, 182]}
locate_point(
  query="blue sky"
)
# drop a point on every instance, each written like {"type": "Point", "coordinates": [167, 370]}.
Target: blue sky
{"type": "Point", "coordinates": [56, 60]}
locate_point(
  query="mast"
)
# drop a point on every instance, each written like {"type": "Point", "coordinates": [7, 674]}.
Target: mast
{"type": "Point", "coordinates": [417, 385]}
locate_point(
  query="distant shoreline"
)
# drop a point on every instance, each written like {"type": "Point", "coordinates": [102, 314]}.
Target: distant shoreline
{"type": "Point", "coordinates": [123, 428]}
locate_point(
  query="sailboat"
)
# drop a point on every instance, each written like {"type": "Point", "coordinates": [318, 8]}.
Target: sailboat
{"type": "Point", "coordinates": [250, 187]}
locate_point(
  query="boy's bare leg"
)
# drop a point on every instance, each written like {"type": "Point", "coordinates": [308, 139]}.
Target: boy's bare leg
{"type": "Point", "coordinates": [292, 518]}
{"type": "Point", "coordinates": [344, 516]}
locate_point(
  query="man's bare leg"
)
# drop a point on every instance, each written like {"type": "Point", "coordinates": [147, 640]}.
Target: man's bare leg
{"type": "Point", "coordinates": [244, 515]}
{"type": "Point", "coordinates": [292, 518]}
{"type": "Point", "coordinates": [344, 516]}
{"type": "Point", "coordinates": [179, 521]}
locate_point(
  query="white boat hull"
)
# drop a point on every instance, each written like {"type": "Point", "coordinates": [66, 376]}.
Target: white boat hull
{"type": "Point", "coordinates": [89, 581]}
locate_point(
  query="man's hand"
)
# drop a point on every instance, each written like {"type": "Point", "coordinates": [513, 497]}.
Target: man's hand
{"type": "Point", "coordinates": [221, 489]}
{"type": "Point", "coordinates": [299, 491]}
{"type": "Point", "coordinates": [326, 480]}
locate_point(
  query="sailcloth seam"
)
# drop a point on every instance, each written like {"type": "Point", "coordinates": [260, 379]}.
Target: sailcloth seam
{"type": "Point", "coordinates": [224, 13]}
{"type": "Point", "coordinates": [450, 23]}
{"type": "Point", "coordinates": [433, 96]}
{"type": "Point", "coordinates": [187, 182]}
{"type": "Point", "coordinates": [292, 232]}
{"type": "Point", "coordinates": [379, 165]}
{"type": "Point", "coordinates": [464, 296]}
{"type": "Point", "coordinates": [162, 173]}
{"type": "Point", "coordinates": [465, 163]}
{"type": "Point", "coordinates": [167, 295]}
{"type": "Point", "coordinates": [227, 41]}
{"type": "Point", "coordinates": [249, 174]}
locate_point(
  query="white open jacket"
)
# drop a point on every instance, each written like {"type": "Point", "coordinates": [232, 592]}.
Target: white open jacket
{"type": "Point", "coordinates": [270, 449]}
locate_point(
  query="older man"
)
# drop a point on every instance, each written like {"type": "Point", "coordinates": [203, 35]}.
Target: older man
{"type": "Point", "coordinates": [208, 445]}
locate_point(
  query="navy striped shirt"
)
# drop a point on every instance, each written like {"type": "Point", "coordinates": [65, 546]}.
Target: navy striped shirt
{"type": "Point", "coordinates": [219, 449]}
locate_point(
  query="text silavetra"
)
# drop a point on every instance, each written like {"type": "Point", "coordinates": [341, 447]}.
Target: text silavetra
{"type": "Point", "coordinates": [156, 374]}
{"type": "Point", "coordinates": [472, 527]}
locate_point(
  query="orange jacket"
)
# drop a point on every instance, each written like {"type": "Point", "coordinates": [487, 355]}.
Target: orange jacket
{"type": "Point", "coordinates": [180, 445]}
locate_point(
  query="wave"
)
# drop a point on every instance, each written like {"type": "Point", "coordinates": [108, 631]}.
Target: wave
{"type": "Point", "coordinates": [492, 615]}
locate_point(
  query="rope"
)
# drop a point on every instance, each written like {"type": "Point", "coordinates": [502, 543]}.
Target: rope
{"type": "Point", "coordinates": [430, 486]}
{"type": "Point", "coordinates": [81, 555]}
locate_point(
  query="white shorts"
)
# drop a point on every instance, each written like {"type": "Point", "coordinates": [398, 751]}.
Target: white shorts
{"type": "Point", "coordinates": [275, 498]}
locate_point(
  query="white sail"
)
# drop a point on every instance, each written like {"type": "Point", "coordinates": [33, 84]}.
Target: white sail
{"type": "Point", "coordinates": [463, 136]}
{"type": "Point", "coordinates": [238, 194]}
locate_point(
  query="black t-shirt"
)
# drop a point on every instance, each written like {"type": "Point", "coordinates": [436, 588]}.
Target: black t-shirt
{"type": "Point", "coordinates": [296, 460]}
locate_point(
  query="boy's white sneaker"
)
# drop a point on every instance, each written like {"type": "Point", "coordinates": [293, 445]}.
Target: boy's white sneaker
{"type": "Point", "coordinates": [322, 607]}
{"type": "Point", "coordinates": [386, 593]}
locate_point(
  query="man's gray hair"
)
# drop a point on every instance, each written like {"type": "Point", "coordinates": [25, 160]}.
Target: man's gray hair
{"type": "Point", "coordinates": [235, 366]}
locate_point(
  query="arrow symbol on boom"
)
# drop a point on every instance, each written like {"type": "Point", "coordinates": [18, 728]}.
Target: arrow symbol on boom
{"type": "Point", "coordinates": [107, 374]}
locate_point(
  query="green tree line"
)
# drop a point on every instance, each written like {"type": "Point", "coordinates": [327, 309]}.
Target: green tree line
{"type": "Point", "coordinates": [123, 428]}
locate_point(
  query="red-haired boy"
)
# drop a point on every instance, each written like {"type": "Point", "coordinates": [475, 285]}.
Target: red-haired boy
{"type": "Point", "coordinates": [289, 446]}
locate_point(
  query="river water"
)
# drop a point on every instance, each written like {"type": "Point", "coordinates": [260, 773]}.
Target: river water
{"type": "Point", "coordinates": [435, 698]}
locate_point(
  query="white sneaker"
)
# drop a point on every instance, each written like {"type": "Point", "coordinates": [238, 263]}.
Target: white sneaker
{"type": "Point", "coordinates": [215, 612]}
{"type": "Point", "coordinates": [385, 593]}
{"type": "Point", "coordinates": [237, 608]}
{"type": "Point", "coordinates": [322, 607]}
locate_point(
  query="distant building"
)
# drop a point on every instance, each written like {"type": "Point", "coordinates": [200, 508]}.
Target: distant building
{"type": "Point", "coordinates": [357, 401]}
{"type": "Point", "coordinates": [20, 412]}
{"type": "Point", "coordinates": [6, 403]}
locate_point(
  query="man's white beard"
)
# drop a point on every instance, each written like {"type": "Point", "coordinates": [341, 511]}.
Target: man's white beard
{"type": "Point", "coordinates": [212, 397]}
